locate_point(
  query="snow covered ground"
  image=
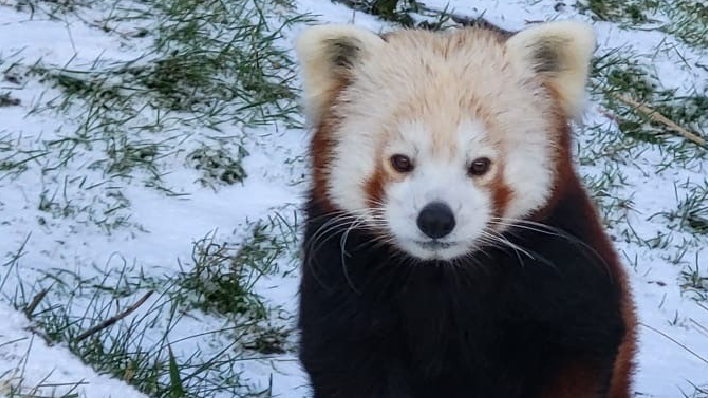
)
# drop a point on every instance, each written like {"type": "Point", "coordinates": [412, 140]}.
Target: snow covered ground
{"type": "Point", "coordinates": [126, 167]}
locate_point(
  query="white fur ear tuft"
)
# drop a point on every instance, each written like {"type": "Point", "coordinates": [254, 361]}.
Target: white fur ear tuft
{"type": "Point", "coordinates": [561, 53]}
{"type": "Point", "coordinates": [327, 54]}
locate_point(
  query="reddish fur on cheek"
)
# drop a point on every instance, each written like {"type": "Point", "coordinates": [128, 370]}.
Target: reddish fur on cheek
{"type": "Point", "coordinates": [321, 149]}
{"type": "Point", "coordinates": [375, 186]}
{"type": "Point", "coordinates": [501, 193]}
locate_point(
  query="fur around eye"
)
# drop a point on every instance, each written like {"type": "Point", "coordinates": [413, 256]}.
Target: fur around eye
{"type": "Point", "coordinates": [401, 163]}
{"type": "Point", "coordinates": [479, 166]}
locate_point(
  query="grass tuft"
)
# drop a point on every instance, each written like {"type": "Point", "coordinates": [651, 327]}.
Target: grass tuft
{"type": "Point", "coordinates": [219, 165]}
{"type": "Point", "coordinates": [7, 100]}
{"type": "Point", "coordinates": [620, 73]}
{"type": "Point", "coordinates": [695, 280]}
{"type": "Point", "coordinates": [410, 13]}
{"type": "Point", "coordinates": [219, 281]}
{"type": "Point", "coordinates": [16, 389]}
{"type": "Point", "coordinates": [689, 22]}
{"type": "Point", "coordinates": [222, 276]}
{"type": "Point", "coordinates": [691, 213]}
{"type": "Point", "coordinates": [397, 11]}
{"type": "Point", "coordinates": [633, 11]}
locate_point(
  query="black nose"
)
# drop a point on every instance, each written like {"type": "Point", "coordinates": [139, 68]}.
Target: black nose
{"type": "Point", "coordinates": [436, 220]}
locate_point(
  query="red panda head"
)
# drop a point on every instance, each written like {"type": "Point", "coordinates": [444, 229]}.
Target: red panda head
{"type": "Point", "coordinates": [437, 141]}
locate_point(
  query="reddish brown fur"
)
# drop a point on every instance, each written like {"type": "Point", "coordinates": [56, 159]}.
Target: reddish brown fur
{"type": "Point", "coordinates": [376, 185]}
{"type": "Point", "coordinates": [501, 195]}
{"type": "Point", "coordinates": [578, 380]}
{"type": "Point", "coordinates": [501, 192]}
{"type": "Point", "coordinates": [322, 147]}
{"type": "Point", "coordinates": [567, 180]}
{"type": "Point", "coordinates": [624, 366]}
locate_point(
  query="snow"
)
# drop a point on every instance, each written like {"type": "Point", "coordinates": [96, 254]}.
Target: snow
{"type": "Point", "coordinates": [172, 223]}
{"type": "Point", "coordinates": [24, 354]}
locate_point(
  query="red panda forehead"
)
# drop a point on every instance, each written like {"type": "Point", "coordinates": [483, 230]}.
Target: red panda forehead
{"type": "Point", "coordinates": [445, 104]}
{"type": "Point", "coordinates": [455, 76]}
{"type": "Point", "coordinates": [443, 139]}
{"type": "Point", "coordinates": [465, 50]}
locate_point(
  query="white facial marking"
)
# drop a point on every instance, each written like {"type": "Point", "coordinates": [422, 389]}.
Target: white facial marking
{"type": "Point", "coordinates": [440, 176]}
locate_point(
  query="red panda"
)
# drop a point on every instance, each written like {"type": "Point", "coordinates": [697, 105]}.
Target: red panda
{"type": "Point", "coordinates": [450, 249]}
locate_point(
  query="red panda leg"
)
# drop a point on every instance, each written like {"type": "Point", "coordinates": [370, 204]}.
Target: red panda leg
{"type": "Point", "coordinates": [585, 379]}
{"type": "Point", "coordinates": [579, 379]}
{"type": "Point", "coordinates": [621, 386]}
{"type": "Point", "coordinates": [623, 371]}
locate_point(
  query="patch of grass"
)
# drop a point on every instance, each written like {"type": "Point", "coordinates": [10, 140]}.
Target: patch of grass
{"type": "Point", "coordinates": [7, 100]}
{"type": "Point", "coordinates": [212, 65]}
{"type": "Point", "coordinates": [619, 71]}
{"type": "Point", "coordinates": [211, 71]}
{"type": "Point", "coordinates": [213, 52]}
{"type": "Point", "coordinates": [54, 9]}
{"type": "Point", "coordinates": [123, 351]}
{"type": "Point", "coordinates": [410, 13]}
{"type": "Point", "coordinates": [108, 211]}
{"type": "Point", "coordinates": [269, 340]}
{"type": "Point", "coordinates": [222, 275]}
{"type": "Point", "coordinates": [690, 111]}
{"type": "Point", "coordinates": [689, 22]}
{"type": "Point", "coordinates": [607, 150]}
{"type": "Point", "coordinates": [397, 11]}
{"type": "Point", "coordinates": [603, 188]}
{"type": "Point", "coordinates": [700, 392]}
{"type": "Point", "coordinates": [634, 11]}
{"type": "Point", "coordinates": [220, 281]}
{"type": "Point", "coordinates": [219, 164]}
{"type": "Point", "coordinates": [9, 155]}
{"type": "Point", "coordinates": [12, 386]}
{"type": "Point", "coordinates": [695, 279]}
{"type": "Point", "coordinates": [619, 74]}
{"type": "Point", "coordinates": [691, 213]}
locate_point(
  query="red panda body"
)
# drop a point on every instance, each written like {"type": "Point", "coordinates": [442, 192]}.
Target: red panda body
{"type": "Point", "coordinates": [495, 284]}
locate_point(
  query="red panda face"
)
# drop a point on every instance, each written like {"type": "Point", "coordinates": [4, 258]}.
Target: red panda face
{"type": "Point", "coordinates": [437, 142]}
{"type": "Point", "coordinates": [442, 204]}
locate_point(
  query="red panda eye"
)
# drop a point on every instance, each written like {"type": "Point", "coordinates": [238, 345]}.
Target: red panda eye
{"type": "Point", "coordinates": [479, 166]}
{"type": "Point", "coordinates": [401, 163]}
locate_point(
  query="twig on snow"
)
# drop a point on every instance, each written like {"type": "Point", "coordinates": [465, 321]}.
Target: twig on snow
{"type": "Point", "coordinates": [35, 302]}
{"type": "Point", "coordinates": [110, 321]}
{"type": "Point", "coordinates": [658, 117]}
{"type": "Point", "coordinates": [700, 358]}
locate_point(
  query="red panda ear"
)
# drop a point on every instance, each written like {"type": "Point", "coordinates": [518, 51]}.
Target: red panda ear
{"type": "Point", "coordinates": [561, 53]}
{"type": "Point", "coordinates": [327, 54]}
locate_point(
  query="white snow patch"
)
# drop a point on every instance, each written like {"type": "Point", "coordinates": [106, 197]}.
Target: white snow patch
{"type": "Point", "coordinates": [26, 361]}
